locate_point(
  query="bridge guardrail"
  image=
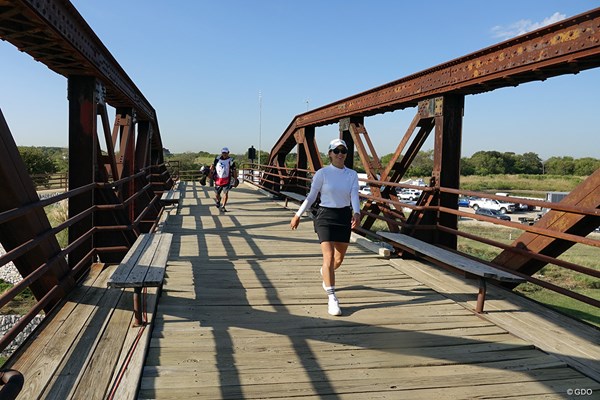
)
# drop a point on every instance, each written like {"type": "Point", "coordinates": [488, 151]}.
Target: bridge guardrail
{"type": "Point", "coordinates": [401, 216]}
{"type": "Point", "coordinates": [141, 205]}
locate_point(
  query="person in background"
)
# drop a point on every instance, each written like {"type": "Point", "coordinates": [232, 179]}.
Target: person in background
{"type": "Point", "coordinates": [204, 172]}
{"type": "Point", "coordinates": [223, 172]}
{"type": "Point", "coordinates": [338, 214]}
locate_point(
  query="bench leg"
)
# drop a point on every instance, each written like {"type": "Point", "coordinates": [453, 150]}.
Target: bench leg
{"type": "Point", "coordinates": [137, 306]}
{"type": "Point", "coordinates": [11, 383]}
{"type": "Point", "coordinates": [481, 296]}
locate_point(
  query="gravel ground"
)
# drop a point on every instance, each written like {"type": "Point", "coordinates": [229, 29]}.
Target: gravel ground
{"type": "Point", "coordinates": [10, 274]}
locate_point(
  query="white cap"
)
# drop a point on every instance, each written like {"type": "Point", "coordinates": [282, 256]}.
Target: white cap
{"type": "Point", "coordinates": [224, 150]}
{"type": "Point", "coordinates": [335, 143]}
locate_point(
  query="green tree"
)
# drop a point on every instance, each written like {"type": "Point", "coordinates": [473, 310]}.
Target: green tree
{"type": "Point", "coordinates": [466, 167]}
{"type": "Point", "coordinates": [527, 163]}
{"type": "Point", "coordinates": [422, 165]}
{"type": "Point", "coordinates": [509, 160]}
{"type": "Point", "coordinates": [37, 160]}
{"type": "Point", "coordinates": [187, 161]}
{"type": "Point", "coordinates": [385, 160]}
{"type": "Point", "coordinates": [560, 166]}
{"type": "Point", "coordinates": [586, 166]}
{"type": "Point", "coordinates": [488, 163]}
{"type": "Point", "coordinates": [61, 160]}
{"type": "Point", "coordinates": [262, 157]}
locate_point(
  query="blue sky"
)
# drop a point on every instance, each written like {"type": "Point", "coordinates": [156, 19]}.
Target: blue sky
{"type": "Point", "coordinates": [202, 64]}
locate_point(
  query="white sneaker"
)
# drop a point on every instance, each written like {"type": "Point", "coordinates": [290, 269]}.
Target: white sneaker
{"type": "Point", "coordinates": [333, 307]}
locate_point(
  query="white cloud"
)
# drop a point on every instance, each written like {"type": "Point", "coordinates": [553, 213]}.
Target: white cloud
{"type": "Point", "coordinates": [523, 26]}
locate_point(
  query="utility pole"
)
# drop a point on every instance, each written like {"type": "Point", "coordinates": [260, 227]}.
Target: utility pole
{"type": "Point", "coordinates": [259, 124]}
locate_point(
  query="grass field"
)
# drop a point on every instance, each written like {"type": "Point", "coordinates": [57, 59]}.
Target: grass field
{"type": "Point", "coordinates": [521, 185]}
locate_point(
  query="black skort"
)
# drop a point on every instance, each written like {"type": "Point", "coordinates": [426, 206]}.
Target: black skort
{"type": "Point", "coordinates": [333, 224]}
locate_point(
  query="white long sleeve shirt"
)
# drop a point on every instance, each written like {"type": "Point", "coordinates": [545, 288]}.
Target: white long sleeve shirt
{"type": "Point", "coordinates": [338, 188]}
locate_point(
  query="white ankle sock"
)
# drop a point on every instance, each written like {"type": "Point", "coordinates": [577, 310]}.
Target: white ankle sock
{"type": "Point", "coordinates": [330, 291]}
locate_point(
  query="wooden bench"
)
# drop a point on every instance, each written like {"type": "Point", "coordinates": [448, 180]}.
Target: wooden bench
{"type": "Point", "coordinates": [474, 268]}
{"type": "Point", "coordinates": [172, 196]}
{"type": "Point", "coordinates": [294, 196]}
{"type": "Point", "coordinates": [143, 266]}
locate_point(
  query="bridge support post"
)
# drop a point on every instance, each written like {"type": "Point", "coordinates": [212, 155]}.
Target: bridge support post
{"type": "Point", "coordinates": [302, 160]}
{"type": "Point", "coordinates": [83, 101]}
{"type": "Point", "coordinates": [446, 163]}
{"type": "Point", "coordinates": [142, 159]}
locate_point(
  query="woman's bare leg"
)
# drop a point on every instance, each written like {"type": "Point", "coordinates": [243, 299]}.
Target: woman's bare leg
{"type": "Point", "coordinates": [333, 256]}
{"type": "Point", "coordinates": [328, 250]}
{"type": "Point", "coordinates": [340, 253]}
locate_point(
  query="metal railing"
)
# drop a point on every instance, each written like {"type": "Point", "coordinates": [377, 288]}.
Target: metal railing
{"type": "Point", "coordinates": [397, 213]}
{"type": "Point", "coordinates": [152, 181]}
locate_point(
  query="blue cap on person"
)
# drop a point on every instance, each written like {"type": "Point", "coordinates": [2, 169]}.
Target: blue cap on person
{"type": "Point", "coordinates": [224, 150]}
{"type": "Point", "coordinates": [335, 143]}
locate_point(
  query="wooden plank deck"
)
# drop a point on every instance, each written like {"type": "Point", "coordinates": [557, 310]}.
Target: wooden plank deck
{"type": "Point", "coordinates": [243, 316]}
{"type": "Point", "coordinates": [82, 347]}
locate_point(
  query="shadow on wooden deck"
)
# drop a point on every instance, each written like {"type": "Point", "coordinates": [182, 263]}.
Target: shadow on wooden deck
{"type": "Point", "coordinates": [243, 316]}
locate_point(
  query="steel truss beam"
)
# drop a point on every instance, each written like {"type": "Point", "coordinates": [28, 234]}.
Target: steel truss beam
{"type": "Point", "coordinates": [123, 159]}
{"type": "Point", "coordinates": [586, 195]}
{"type": "Point", "coordinates": [567, 47]}
{"type": "Point", "coordinates": [308, 157]}
{"type": "Point", "coordinates": [354, 133]}
{"type": "Point", "coordinates": [55, 34]}
{"type": "Point", "coordinates": [30, 228]}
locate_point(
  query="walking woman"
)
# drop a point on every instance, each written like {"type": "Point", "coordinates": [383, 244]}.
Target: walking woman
{"type": "Point", "coordinates": [338, 214]}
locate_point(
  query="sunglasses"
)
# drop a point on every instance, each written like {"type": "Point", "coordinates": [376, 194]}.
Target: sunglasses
{"type": "Point", "coordinates": [338, 151]}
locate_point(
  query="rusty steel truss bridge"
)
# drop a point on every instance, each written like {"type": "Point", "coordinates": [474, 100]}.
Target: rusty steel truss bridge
{"type": "Point", "coordinates": [114, 194]}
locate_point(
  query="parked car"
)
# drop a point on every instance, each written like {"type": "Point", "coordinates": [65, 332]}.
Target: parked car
{"type": "Point", "coordinates": [409, 194]}
{"type": "Point", "coordinates": [463, 202]}
{"type": "Point", "coordinates": [492, 204]}
{"type": "Point", "coordinates": [519, 206]}
{"type": "Point", "coordinates": [364, 190]}
{"type": "Point", "coordinates": [492, 213]}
